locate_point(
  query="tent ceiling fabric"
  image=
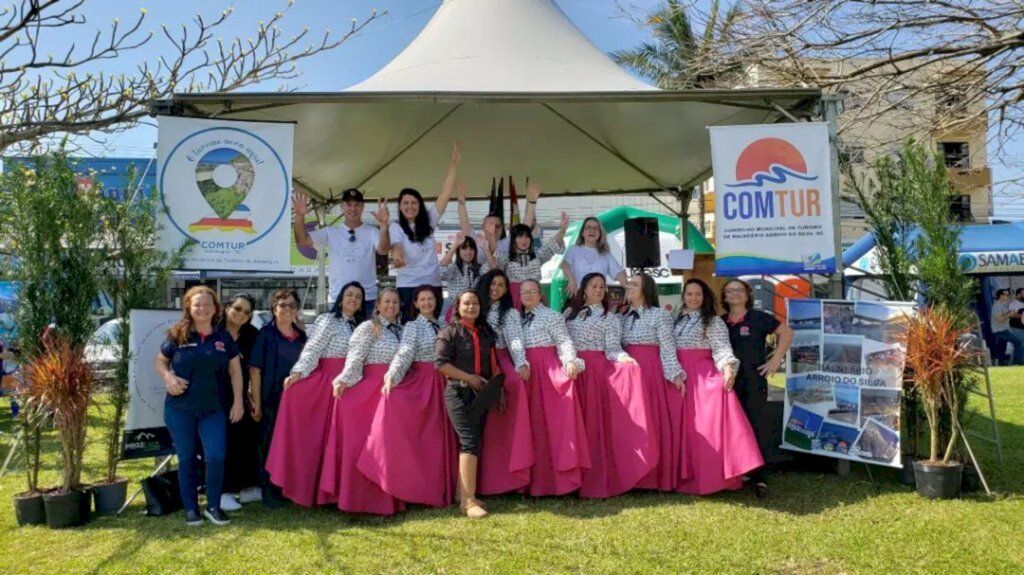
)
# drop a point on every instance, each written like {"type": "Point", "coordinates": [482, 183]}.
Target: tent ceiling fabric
{"type": "Point", "coordinates": [501, 46]}
{"type": "Point", "coordinates": [523, 90]}
{"type": "Point", "coordinates": [586, 143]}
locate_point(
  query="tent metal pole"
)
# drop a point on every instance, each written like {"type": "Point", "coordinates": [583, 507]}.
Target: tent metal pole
{"type": "Point", "coordinates": [321, 268]}
{"type": "Point", "coordinates": [830, 112]}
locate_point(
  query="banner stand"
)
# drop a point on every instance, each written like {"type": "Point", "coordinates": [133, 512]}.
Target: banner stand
{"type": "Point", "coordinates": [159, 469]}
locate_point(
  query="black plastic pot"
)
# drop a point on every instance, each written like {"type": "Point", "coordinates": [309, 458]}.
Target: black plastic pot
{"type": "Point", "coordinates": [29, 509]}
{"type": "Point", "coordinates": [907, 473]}
{"type": "Point", "coordinates": [109, 497]}
{"type": "Point", "coordinates": [70, 509]}
{"type": "Point", "coordinates": [970, 481]}
{"type": "Point", "coordinates": [937, 481]}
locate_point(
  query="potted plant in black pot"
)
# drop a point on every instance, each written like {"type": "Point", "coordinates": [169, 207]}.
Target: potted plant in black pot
{"type": "Point", "coordinates": [936, 351]}
{"type": "Point", "coordinates": [63, 382]}
{"type": "Point", "coordinates": [28, 506]}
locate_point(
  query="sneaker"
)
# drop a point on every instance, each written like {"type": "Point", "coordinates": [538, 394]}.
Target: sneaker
{"type": "Point", "coordinates": [193, 518]}
{"type": "Point", "coordinates": [250, 495]}
{"type": "Point", "coordinates": [217, 516]}
{"type": "Point", "coordinates": [229, 503]}
{"type": "Point", "coordinates": [761, 490]}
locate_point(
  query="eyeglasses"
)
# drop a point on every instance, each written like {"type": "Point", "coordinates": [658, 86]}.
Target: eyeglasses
{"type": "Point", "coordinates": [351, 235]}
{"type": "Point", "coordinates": [287, 305]}
{"type": "Point", "coordinates": [735, 290]}
{"type": "Point", "coordinates": [241, 310]}
{"type": "Point", "coordinates": [529, 292]}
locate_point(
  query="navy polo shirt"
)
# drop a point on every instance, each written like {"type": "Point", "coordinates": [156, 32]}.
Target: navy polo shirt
{"type": "Point", "coordinates": [203, 362]}
{"type": "Point", "coordinates": [275, 356]}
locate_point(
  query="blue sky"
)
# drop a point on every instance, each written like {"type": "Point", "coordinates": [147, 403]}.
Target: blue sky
{"type": "Point", "coordinates": [602, 21]}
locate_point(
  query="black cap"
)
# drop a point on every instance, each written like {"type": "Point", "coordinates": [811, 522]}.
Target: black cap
{"type": "Point", "coordinates": [352, 195]}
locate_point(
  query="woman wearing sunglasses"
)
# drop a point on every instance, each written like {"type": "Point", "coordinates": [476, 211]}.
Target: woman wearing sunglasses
{"type": "Point", "coordinates": [242, 476]}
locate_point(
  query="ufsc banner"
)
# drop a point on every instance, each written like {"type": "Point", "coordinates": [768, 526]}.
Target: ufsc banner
{"type": "Point", "coordinates": [844, 379]}
{"type": "Point", "coordinates": [145, 434]}
{"type": "Point", "coordinates": [773, 199]}
{"type": "Point", "coordinates": [226, 189]}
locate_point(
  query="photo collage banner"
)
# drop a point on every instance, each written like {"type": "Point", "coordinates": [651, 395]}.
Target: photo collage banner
{"type": "Point", "coordinates": [844, 379]}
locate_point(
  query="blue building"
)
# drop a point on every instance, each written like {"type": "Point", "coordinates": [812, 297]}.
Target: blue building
{"type": "Point", "coordinates": [111, 173]}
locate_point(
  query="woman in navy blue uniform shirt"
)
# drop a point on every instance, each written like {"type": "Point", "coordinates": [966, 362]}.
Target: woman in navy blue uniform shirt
{"type": "Point", "coordinates": [749, 329]}
{"type": "Point", "coordinates": [200, 367]}
{"type": "Point", "coordinates": [277, 348]}
{"type": "Point", "coordinates": [242, 469]}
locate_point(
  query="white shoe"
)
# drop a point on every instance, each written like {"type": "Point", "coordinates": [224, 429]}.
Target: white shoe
{"type": "Point", "coordinates": [229, 503]}
{"type": "Point", "coordinates": [250, 495]}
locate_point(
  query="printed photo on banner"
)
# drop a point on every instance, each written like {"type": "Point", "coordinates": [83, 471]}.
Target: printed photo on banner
{"type": "Point", "coordinates": [226, 189]}
{"type": "Point", "coordinates": [844, 379]}
{"type": "Point", "coordinates": [773, 208]}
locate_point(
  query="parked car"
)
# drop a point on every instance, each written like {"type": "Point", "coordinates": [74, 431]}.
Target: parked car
{"type": "Point", "coordinates": [101, 351]}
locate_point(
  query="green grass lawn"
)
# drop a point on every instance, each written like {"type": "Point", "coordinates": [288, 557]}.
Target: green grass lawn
{"type": "Point", "coordinates": [811, 523]}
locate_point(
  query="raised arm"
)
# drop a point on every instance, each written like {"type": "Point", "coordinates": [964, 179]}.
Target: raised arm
{"type": "Point", "coordinates": [300, 207]}
{"type": "Point", "coordinates": [460, 194]}
{"type": "Point", "coordinates": [382, 216]}
{"type": "Point", "coordinates": [449, 180]}
{"type": "Point", "coordinates": [532, 194]}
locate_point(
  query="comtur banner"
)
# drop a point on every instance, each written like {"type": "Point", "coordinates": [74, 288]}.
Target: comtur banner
{"type": "Point", "coordinates": [226, 187]}
{"type": "Point", "coordinates": [773, 199]}
{"type": "Point", "coordinates": [844, 379]}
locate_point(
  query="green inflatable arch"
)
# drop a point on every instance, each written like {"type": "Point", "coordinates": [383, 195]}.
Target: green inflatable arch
{"type": "Point", "coordinates": [613, 220]}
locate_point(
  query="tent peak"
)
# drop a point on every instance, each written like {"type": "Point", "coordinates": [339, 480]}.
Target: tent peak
{"type": "Point", "coordinates": [501, 46]}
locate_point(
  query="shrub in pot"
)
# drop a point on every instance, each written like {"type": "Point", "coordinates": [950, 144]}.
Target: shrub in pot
{"type": "Point", "coordinates": [28, 505]}
{"type": "Point", "coordinates": [63, 382]}
{"type": "Point", "coordinates": [936, 350]}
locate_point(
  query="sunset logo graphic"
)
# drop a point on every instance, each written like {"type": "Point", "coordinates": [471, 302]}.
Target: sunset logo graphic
{"type": "Point", "coordinates": [770, 161]}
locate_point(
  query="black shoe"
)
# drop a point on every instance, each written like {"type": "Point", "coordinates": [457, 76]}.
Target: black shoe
{"type": "Point", "coordinates": [761, 490]}
{"type": "Point", "coordinates": [217, 516]}
{"type": "Point", "coordinates": [193, 518]}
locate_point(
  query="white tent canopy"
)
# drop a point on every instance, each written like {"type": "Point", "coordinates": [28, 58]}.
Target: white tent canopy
{"type": "Point", "coordinates": [524, 92]}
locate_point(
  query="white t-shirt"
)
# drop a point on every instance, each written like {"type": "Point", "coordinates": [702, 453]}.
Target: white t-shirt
{"type": "Point", "coordinates": [351, 259]}
{"type": "Point", "coordinates": [585, 260]}
{"type": "Point", "coordinates": [421, 265]}
{"type": "Point", "coordinates": [999, 308]}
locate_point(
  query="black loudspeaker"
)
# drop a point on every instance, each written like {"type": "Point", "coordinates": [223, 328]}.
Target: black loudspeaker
{"type": "Point", "coordinates": [643, 245]}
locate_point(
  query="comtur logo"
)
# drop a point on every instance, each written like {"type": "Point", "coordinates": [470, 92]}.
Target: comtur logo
{"type": "Point", "coordinates": [770, 161]}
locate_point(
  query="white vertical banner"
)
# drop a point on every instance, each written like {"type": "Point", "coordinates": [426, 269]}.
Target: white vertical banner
{"type": "Point", "coordinates": [226, 187]}
{"type": "Point", "coordinates": [145, 434]}
{"type": "Point", "coordinates": [773, 199]}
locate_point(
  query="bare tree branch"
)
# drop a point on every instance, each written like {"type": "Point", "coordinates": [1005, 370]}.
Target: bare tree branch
{"type": "Point", "coordinates": [43, 96]}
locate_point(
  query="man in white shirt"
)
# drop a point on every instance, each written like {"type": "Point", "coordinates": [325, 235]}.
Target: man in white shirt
{"type": "Point", "coordinates": [353, 246]}
{"type": "Point", "coordinates": [493, 227]}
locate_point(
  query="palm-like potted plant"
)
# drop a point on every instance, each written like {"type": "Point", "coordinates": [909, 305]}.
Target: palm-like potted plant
{"type": "Point", "coordinates": [63, 382]}
{"type": "Point", "coordinates": [936, 351]}
{"type": "Point", "coordinates": [28, 506]}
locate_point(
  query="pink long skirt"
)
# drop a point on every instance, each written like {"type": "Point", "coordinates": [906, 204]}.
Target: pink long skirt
{"type": "Point", "coordinates": [665, 413]}
{"type": "Point", "coordinates": [720, 444]}
{"type": "Point", "coordinates": [349, 432]}
{"type": "Point", "coordinates": [556, 417]}
{"type": "Point", "coordinates": [506, 449]}
{"type": "Point", "coordinates": [615, 416]}
{"type": "Point", "coordinates": [411, 447]}
{"type": "Point", "coordinates": [296, 454]}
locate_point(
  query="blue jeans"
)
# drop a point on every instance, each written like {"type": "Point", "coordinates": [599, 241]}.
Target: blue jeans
{"type": "Point", "coordinates": [1018, 345]}
{"type": "Point", "coordinates": [212, 430]}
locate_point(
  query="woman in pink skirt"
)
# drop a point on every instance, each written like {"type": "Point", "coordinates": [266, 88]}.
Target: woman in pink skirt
{"type": "Point", "coordinates": [556, 416]}
{"type": "Point", "coordinates": [720, 446]}
{"type": "Point", "coordinates": [296, 453]}
{"type": "Point", "coordinates": [612, 393]}
{"type": "Point", "coordinates": [507, 452]}
{"type": "Point", "coordinates": [411, 451]}
{"type": "Point", "coordinates": [357, 393]}
{"type": "Point", "coordinates": [647, 338]}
